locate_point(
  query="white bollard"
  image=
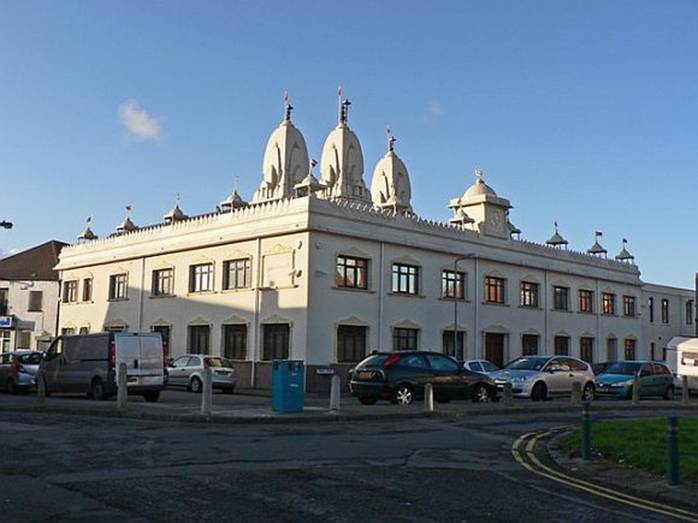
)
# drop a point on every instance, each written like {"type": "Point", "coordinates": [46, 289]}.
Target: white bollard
{"type": "Point", "coordinates": [428, 398]}
{"type": "Point", "coordinates": [41, 389]}
{"type": "Point", "coordinates": [576, 393]}
{"type": "Point", "coordinates": [206, 393]}
{"type": "Point", "coordinates": [685, 393]}
{"type": "Point", "coordinates": [636, 388]}
{"type": "Point", "coordinates": [122, 387]}
{"type": "Point", "coordinates": [335, 392]}
{"type": "Point", "coordinates": [508, 395]}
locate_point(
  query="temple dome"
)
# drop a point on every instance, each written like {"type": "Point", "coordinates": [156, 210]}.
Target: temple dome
{"type": "Point", "coordinates": [390, 186]}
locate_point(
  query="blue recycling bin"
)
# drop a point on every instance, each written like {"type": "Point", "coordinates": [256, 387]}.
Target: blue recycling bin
{"type": "Point", "coordinates": [287, 378]}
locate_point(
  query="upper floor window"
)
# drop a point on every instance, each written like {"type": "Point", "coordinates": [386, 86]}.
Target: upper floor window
{"type": "Point", "coordinates": [405, 279]}
{"type": "Point", "coordinates": [118, 286]}
{"type": "Point", "coordinates": [163, 282]}
{"type": "Point", "coordinates": [650, 306]}
{"type": "Point", "coordinates": [494, 289]}
{"type": "Point", "coordinates": [608, 303]}
{"type": "Point", "coordinates": [87, 289]}
{"type": "Point", "coordinates": [352, 273]}
{"type": "Point", "coordinates": [70, 291]}
{"type": "Point", "coordinates": [3, 302]}
{"type": "Point", "coordinates": [665, 310]}
{"type": "Point", "coordinates": [452, 284]}
{"type": "Point", "coordinates": [529, 294]}
{"type": "Point", "coordinates": [36, 299]}
{"type": "Point", "coordinates": [201, 277]}
{"type": "Point", "coordinates": [586, 301]}
{"type": "Point", "coordinates": [561, 298]}
{"type": "Point", "coordinates": [237, 274]}
{"type": "Point", "coordinates": [628, 305]}
{"type": "Point", "coordinates": [689, 312]}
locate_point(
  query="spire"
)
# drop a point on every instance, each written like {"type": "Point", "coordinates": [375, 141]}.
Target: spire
{"type": "Point", "coordinates": [391, 140]}
{"type": "Point", "coordinates": [175, 214]}
{"type": "Point", "coordinates": [87, 235]}
{"type": "Point", "coordinates": [127, 225]}
{"type": "Point", "coordinates": [556, 240]}
{"type": "Point", "coordinates": [288, 108]}
{"type": "Point", "coordinates": [234, 200]}
{"type": "Point", "coordinates": [597, 249]}
{"type": "Point", "coordinates": [624, 255]}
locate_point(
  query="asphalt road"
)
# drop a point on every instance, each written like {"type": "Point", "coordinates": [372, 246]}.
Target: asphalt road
{"type": "Point", "coordinates": [77, 468]}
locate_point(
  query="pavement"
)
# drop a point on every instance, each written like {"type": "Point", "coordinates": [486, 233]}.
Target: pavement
{"type": "Point", "coordinates": [75, 467]}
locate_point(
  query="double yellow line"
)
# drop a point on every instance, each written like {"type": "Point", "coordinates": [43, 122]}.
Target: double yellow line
{"type": "Point", "coordinates": [523, 451]}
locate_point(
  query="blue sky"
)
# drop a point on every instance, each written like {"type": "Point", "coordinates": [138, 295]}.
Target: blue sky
{"type": "Point", "coordinates": [580, 112]}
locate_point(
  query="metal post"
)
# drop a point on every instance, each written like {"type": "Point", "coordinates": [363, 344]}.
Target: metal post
{"type": "Point", "coordinates": [636, 388]}
{"type": "Point", "coordinates": [586, 431]}
{"type": "Point", "coordinates": [122, 388]}
{"type": "Point", "coordinates": [684, 390]}
{"type": "Point", "coordinates": [335, 392]}
{"type": "Point", "coordinates": [428, 398]}
{"type": "Point", "coordinates": [576, 393]}
{"type": "Point", "coordinates": [508, 395]}
{"type": "Point", "coordinates": [206, 392]}
{"type": "Point", "coordinates": [41, 389]}
{"type": "Point", "coordinates": [673, 450]}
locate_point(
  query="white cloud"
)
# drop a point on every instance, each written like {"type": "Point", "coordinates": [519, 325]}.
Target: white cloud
{"type": "Point", "coordinates": [138, 122]}
{"type": "Point", "coordinates": [434, 110]}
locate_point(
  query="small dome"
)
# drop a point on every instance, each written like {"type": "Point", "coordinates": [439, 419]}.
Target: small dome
{"type": "Point", "coordinates": [556, 239]}
{"type": "Point", "coordinates": [479, 188]}
{"type": "Point", "coordinates": [126, 226]}
{"type": "Point", "coordinates": [624, 255]}
{"type": "Point", "coordinates": [175, 214]}
{"type": "Point", "coordinates": [233, 201]}
{"type": "Point", "coordinates": [461, 218]}
{"type": "Point", "coordinates": [390, 186]}
{"type": "Point", "coordinates": [87, 234]}
{"type": "Point", "coordinates": [597, 249]}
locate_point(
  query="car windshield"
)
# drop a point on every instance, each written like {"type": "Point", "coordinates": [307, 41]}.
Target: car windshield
{"type": "Point", "coordinates": [489, 366]}
{"type": "Point", "coordinates": [375, 360]}
{"type": "Point", "coordinates": [527, 364]}
{"type": "Point", "coordinates": [33, 358]}
{"type": "Point", "coordinates": [622, 367]}
{"type": "Point", "coordinates": [218, 362]}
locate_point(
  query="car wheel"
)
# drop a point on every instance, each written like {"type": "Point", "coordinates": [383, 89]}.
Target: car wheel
{"type": "Point", "coordinates": [588, 393]}
{"type": "Point", "coordinates": [151, 397]}
{"type": "Point", "coordinates": [669, 393]}
{"type": "Point", "coordinates": [539, 392]}
{"type": "Point", "coordinates": [195, 385]}
{"type": "Point", "coordinates": [404, 395]}
{"type": "Point", "coordinates": [368, 400]}
{"type": "Point", "coordinates": [97, 390]}
{"type": "Point", "coordinates": [11, 388]}
{"type": "Point", "coordinates": [481, 394]}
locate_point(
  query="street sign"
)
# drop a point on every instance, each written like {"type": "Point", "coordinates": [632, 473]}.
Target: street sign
{"type": "Point", "coordinates": [5, 322]}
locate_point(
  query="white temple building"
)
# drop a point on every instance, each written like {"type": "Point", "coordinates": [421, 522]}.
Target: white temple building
{"type": "Point", "coordinates": [326, 270]}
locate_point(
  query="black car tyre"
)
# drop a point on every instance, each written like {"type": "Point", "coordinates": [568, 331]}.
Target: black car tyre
{"type": "Point", "coordinates": [11, 388]}
{"type": "Point", "coordinates": [539, 392]}
{"type": "Point", "coordinates": [152, 396]}
{"type": "Point", "coordinates": [669, 393]}
{"type": "Point", "coordinates": [404, 395]}
{"type": "Point", "coordinates": [368, 400]}
{"type": "Point", "coordinates": [481, 394]}
{"type": "Point", "coordinates": [97, 390]}
{"type": "Point", "coordinates": [195, 385]}
{"type": "Point", "coordinates": [589, 392]}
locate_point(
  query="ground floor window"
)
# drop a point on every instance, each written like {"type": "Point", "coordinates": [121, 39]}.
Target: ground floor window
{"type": "Point", "coordinates": [68, 331]}
{"type": "Point", "coordinates": [164, 331]}
{"type": "Point", "coordinates": [529, 345]}
{"type": "Point", "coordinates": [351, 343]}
{"type": "Point", "coordinates": [24, 339]}
{"type": "Point", "coordinates": [4, 341]}
{"type": "Point", "coordinates": [405, 339]}
{"type": "Point", "coordinates": [652, 354]}
{"type": "Point", "coordinates": [562, 345]}
{"type": "Point", "coordinates": [199, 339]}
{"type": "Point", "coordinates": [586, 349]}
{"type": "Point", "coordinates": [277, 337]}
{"type": "Point", "coordinates": [235, 342]}
{"type": "Point", "coordinates": [629, 349]}
{"type": "Point", "coordinates": [611, 349]}
{"type": "Point", "coordinates": [456, 350]}
{"type": "Point", "coordinates": [84, 330]}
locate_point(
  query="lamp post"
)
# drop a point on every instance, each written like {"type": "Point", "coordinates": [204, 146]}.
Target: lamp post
{"type": "Point", "coordinates": [455, 301]}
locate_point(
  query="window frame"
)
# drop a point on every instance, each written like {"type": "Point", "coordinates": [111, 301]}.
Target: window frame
{"type": "Point", "coordinates": [157, 279]}
{"type": "Point", "coordinates": [403, 338]}
{"type": "Point", "coordinates": [118, 282]}
{"type": "Point", "coordinates": [495, 290]}
{"type": "Point", "coordinates": [525, 347]}
{"type": "Point", "coordinates": [70, 291]}
{"type": "Point", "coordinates": [583, 348]}
{"type": "Point", "coordinates": [558, 296]}
{"type": "Point", "coordinates": [629, 306]}
{"type": "Point", "coordinates": [453, 284]}
{"type": "Point", "coordinates": [665, 311]}
{"type": "Point", "coordinates": [585, 296]}
{"type": "Point", "coordinates": [351, 343]}
{"type": "Point", "coordinates": [191, 330]}
{"type": "Point", "coordinates": [237, 266]}
{"type": "Point", "coordinates": [87, 289]}
{"type": "Point", "coordinates": [556, 346]}
{"type": "Point", "coordinates": [354, 265]}
{"type": "Point", "coordinates": [608, 303]}
{"type": "Point", "coordinates": [31, 307]}
{"type": "Point", "coordinates": [629, 348]}
{"type": "Point", "coordinates": [529, 292]}
{"type": "Point", "coordinates": [196, 277]}
{"type": "Point", "coordinates": [235, 338]}
{"type": "Point", "coordinates": [689, 312]}
{"type": "Point", "coordinates": [403, 273]}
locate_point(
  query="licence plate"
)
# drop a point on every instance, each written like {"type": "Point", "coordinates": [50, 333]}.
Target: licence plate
{"type": "Point", "coordinates": [365, 375]}
{"type": "Point", "coordinates": [132, 380]}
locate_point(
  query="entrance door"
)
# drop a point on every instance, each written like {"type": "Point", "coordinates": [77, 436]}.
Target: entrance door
{"type": "Point", "coordinates": [494, 348]}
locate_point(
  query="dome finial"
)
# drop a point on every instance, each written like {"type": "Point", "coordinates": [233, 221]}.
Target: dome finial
{"type": "Point", "coordinates": [343, 106]}
{"type": "Point", "coordinates": [556, 240]}
{"type": "Point", "coordinates": [479, 175]}
{"type": "Point", "coordinates": [287, 108]}
{"type": "Point", "coordinates": [391, 140]}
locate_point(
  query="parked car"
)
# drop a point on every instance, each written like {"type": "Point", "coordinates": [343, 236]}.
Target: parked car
{"type": "Point", "coordinates": [187, 371]}
{"type": "Point", "coordinates": [540, 377]}
{"type": "Point", "coordinates": [18, 370]}
{"type": "Point", "coordinates": [90, 363]}
{"type": "Point", "coordinates": [482, 366]}
{"type": "Point", "coordinates": [617, 378]}
{"type": "Point", "coordinates": [401, 377]}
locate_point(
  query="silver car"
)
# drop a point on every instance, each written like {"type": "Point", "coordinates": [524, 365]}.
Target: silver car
{"type": "Point", "coordinates": [482, 366]}
{"type": "Point", "coordinates": [540, 377]}
{"type": "Point", "coordinates": [18, 370]}
{"type": "Point", "coordinates": [188, 370]}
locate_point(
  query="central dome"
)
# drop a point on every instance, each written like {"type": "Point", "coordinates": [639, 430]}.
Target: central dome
{"type": "Point", "coordinates": [479, 188]}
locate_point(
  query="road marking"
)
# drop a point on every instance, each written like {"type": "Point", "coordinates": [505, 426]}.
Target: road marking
{"type": "Point", "coordinates": [532, 438]}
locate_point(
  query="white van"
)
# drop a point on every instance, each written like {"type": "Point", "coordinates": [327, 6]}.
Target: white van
{"type": "Point", "coordinates": [90, 363]}
{"type": "Point", "coordinates": [682, 359]}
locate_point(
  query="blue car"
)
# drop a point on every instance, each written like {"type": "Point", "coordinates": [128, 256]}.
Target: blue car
{"type": "Point", "coordinates": [615, 379]}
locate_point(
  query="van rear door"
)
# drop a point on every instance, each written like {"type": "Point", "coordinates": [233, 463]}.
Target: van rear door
{"type": "Point", "coordinates": [152, 369]}
{"type": "Point", "coordinates": [128, 351]}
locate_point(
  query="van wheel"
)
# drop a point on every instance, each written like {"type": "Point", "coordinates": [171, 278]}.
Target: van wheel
{"type": "Point", "coordinates": [11, 388]}
{"type": "Point", "coordinates": [97, 390]}
{"type": "Point", "coordinates": [539, 392]}
{"type": "Point", "coordinates": [151, 397]}
{"type": "Point", "coordinates": [195, 385]}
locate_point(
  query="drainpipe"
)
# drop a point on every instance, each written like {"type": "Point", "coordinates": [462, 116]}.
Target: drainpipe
{"type": "Point", "coordinates": [545, 312]}
{"type": "Point", "coordinates": [255, 313]}
{"type": "Point", "coordinates": [476, 300]}
{"type": "Point", "coordinates": [381, 278]}
{"type": "Point", "coordinates": [142, 295]}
